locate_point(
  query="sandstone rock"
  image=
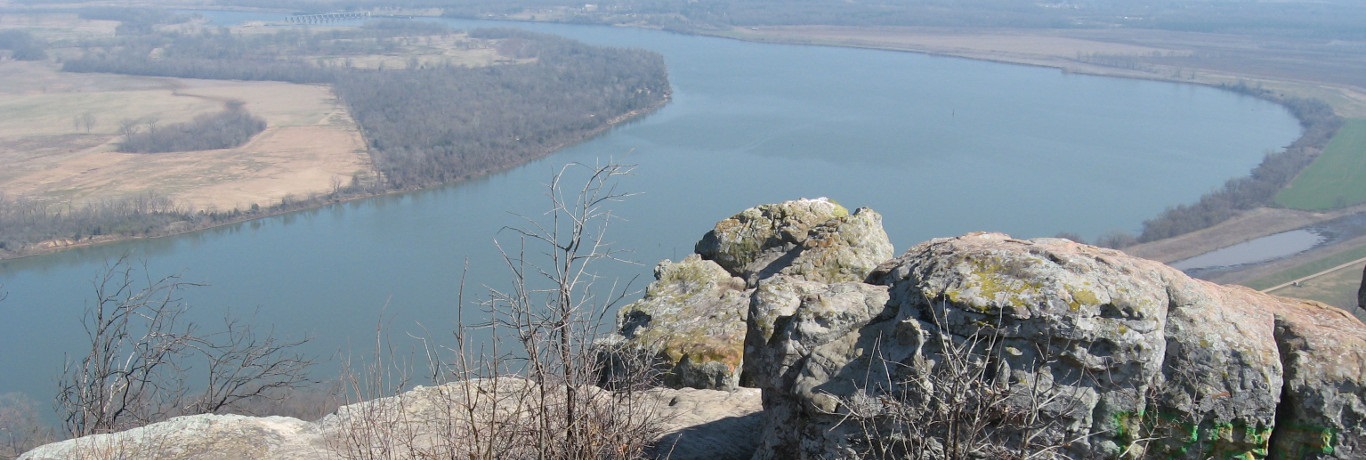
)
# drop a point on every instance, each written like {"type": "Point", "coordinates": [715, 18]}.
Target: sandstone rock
{"type": "Point", "coordinates": [198, 437]}
{"type": "Point", "coordinates": [692, 318]}
{"type": "Point", "coordinates": [1361, 292]}
{"type": "Point", "coordinates": [707, 424]}
{"type": "Point", "coordinates": [1322, 413]}
{"type": "Point", "coordinates": [747, 243]}
{"type": "Point", "coordinates": [816, 239]}
{"type": "Point", "coordinates": [425, 422]}
{"type": "Point", "coordinates": [844, 248]}
{"type": "Point", "coordinates": [1107, 350]}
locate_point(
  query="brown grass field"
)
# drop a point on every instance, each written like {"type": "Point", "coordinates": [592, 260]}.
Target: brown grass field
{"type": "Point", "coordinates": [310, 146]}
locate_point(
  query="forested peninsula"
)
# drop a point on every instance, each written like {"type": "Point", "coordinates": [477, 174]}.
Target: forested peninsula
{"type": "Point", "coordinates": [425, 121]}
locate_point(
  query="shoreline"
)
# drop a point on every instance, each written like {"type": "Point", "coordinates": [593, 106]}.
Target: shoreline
{"type": "Point", "coordinates": [1269, 220]}
{"type": "Point", "coordinates": [50, 247]}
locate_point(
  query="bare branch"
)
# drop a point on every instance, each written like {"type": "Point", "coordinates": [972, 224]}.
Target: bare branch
{"type": "Point", "coordinates": [137, 369]}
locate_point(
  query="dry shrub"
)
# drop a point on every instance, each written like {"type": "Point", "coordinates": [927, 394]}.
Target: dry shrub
{"type": "Point", "coordinates": [520, 383]}
{"type": "Point", "coordinates": [959, 400]}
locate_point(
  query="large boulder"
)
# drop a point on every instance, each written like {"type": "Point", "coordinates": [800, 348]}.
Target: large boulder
{"type": "Point", "coordinates": [1322, 413]}
{"type": "Point", "coordinates": [814, 238]}
{"type": "Point", "coordinates": [691, 324]}
{"type": "Point", "coordinates": [692, 319]}
{"type": "Point", "coordinates": [991, 344]}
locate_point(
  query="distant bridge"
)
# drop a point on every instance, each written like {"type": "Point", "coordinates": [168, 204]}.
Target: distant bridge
{"type": "Point", "coordinates": [322, 18]}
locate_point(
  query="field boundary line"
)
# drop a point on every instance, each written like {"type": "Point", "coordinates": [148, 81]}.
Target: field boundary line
{"type": "Point", "coordinates": [1314, 275]}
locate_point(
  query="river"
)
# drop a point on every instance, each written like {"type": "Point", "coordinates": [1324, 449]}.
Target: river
{"type": "Point", "coordinates": [940, 146]}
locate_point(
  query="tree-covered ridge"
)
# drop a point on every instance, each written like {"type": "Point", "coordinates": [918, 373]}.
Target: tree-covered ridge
{"type": "Point", "coordinates": [425, 122]}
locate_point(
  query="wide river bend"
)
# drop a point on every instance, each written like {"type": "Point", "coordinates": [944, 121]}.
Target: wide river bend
{"type": "Point", "coordinates": [940, 146]}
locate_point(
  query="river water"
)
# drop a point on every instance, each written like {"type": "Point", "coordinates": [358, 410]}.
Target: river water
{"type": "Point", "coordinates": [940, 146]}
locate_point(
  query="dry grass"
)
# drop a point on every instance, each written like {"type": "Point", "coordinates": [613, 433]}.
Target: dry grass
{"type": "Point", "coordinates": [57, 27]}
{"type": "Point", "coordinates": [310, 146]}
{"type": "Point", "coordinates": [1337, 288]}
{"type": "Point", "coordinates": [1018, 44]}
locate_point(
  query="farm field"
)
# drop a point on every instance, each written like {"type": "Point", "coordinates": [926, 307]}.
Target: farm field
{"type": "Point", "coordinates": [58, 135]}
{"type": "Point", "coordinates": [1337, 288]}
{"type": "Point", "coordinates": [1337, 178]}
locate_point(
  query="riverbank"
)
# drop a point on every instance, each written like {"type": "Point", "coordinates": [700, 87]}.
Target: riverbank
{"type": "Point", "coordinates": [202, 221]}
{"type": "Point", "coordinates": [1151, 55]}
{"type": "Point", "coordinates": [1125, 53]}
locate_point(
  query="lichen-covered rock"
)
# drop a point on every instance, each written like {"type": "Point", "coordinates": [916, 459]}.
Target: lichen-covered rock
{"type": "Point", "coordinates": [817, 239]}
{"type": "Point", "coordinates": [1221, 374]}
{"type": "Point", "coordinates": [798, 358]}
{"type": "Point", "coordinates": [1323, 411]}
{"type": "Point", "coordinates": [692, 319]}
{"type": "Point", "coordinates": [844, 248]}
{"type": "Point", "coordinates": [747, 243]}
{"type": "Point", "coordinates": [1113, 355]}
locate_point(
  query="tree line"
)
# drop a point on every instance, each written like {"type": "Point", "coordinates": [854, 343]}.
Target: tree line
{"type": "Point", "coordinates": [22, 46]}
{"type": "Point", "coordinates": [230, 128]}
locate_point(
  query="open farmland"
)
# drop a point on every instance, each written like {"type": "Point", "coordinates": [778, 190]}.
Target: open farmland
{"type": "Point", "coordinates": [1337, 178]}
{"type": "Point", "coordinates": [58, 135]}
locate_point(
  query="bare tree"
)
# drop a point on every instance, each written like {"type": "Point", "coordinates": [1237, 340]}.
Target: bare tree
{"type": "Point", "coordinates": [554, 308]}
{"type": "Point", "coordinates": [84, 121]}
{"type": "Point", "coordinates": [128, 127]}
{"type": "Point", "coordinates": [137, 369]}
{"type": "Point", "coordinates": [534, 398]}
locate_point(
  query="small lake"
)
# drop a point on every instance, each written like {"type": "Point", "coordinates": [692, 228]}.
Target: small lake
{"type": "Point", "coordinates": [1262, 249]}
{"type": "Point", "coordinates": [939, 146]}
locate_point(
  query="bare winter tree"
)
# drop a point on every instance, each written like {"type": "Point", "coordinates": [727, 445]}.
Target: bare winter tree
{"type": "Point", "coordinates": [554, 307]}
{"type": "Point", "coordinates": [139, 367]}
{"type": "Point", "coordinates": [534, 397]}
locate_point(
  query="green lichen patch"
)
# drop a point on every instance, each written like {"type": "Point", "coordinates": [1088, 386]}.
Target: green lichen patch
{"type": "Point", "coordinates": [996, 284]}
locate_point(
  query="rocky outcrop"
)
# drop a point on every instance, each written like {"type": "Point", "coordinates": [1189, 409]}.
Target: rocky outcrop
{"type": "Point", "coordinates": [692, 320]}
{"type": "Point", "coordinates": [1048, 344]}
{"type": "Point", "coordinates": [1084, 350]}
{"type": "Point", "coordinates": [422, 423]}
